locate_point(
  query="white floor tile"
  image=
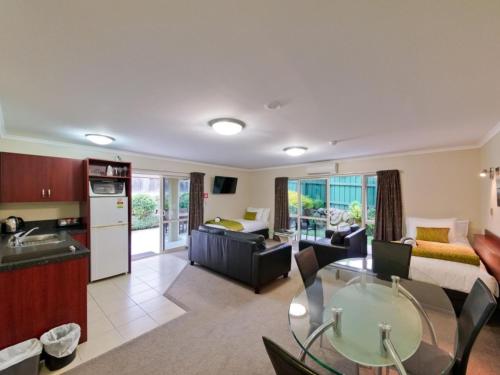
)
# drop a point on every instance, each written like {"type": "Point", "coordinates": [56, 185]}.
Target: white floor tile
{"type": "Point", "coordinates": [145, 296]}
{"type": "Point", "coordinates": [98, 327]}
{"type": "Point", "coordinates": [137, 327]}
{"type": "Point", "coordinates": [155, 304]}
{"type": "Point", "coordinates": [94, 347]}
{"type": "Point", "coordinates": [166, 313]}
{"type": "Point", "coordinates": [126, 316]}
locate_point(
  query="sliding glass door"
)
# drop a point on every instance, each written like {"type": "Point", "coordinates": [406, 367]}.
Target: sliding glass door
{"type": "Point", "coordinates": [160, 206]}
{"type": "Point", "coordinates": [321, 203]}
{"type": "Point", "coordinates": [175, 212]}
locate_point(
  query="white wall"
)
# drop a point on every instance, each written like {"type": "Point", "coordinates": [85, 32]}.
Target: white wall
{"type": "Point", "coordinates": [230, 205]}
{"type": "Point", "coordinates": [490, 212]}
{"type": "Point", "coordinates": [440, 184]}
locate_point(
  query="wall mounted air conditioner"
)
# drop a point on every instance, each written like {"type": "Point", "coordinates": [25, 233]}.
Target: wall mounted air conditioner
{"type": "Point", "coordinates": [322, 169]}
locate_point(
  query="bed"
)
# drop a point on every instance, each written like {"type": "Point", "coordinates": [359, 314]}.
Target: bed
{"type": "Point", "coordinates": [258, 226]}
{"type": "Point", "coordinates": [457, 278]}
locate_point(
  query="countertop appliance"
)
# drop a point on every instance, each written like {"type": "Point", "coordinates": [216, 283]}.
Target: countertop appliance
{"type": "Point", "coordinates": [106, 188]}
{"type": "Point", "coordinates": [108, 236]}
{"type": "Point", "coordinates": [13, 224]}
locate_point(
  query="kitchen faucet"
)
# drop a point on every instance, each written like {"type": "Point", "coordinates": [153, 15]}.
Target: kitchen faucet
{"type": "Point", "coordinates": [15, 238]}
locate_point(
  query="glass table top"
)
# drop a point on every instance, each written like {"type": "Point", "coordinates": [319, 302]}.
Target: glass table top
{"type": "Point", "coordinates": [349, 315]}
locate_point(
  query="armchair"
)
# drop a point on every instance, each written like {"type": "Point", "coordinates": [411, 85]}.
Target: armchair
{"type": "Point", "coordinates": [354, 246]}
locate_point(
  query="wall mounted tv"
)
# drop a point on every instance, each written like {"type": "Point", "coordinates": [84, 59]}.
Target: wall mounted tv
{"type": "Point", "coordinates": [224, 185]}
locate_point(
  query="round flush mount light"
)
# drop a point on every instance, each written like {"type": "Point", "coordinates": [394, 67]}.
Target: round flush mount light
{"type": "Point", "coordinates": [295, 150]}
{"type": "Point", "coordinates": [483, 173]}
{"type": "Point", "coordinates": [100, 139]}
{"type": "Point", "coordinates": [227, 126]}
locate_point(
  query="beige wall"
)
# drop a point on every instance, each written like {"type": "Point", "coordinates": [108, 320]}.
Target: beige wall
{"type": "Point", "coordinates": [440, 184]}
{"type": "Point", "coordinates": [231, 205]}
{"type": "Point", "coordinates": [490, 212]}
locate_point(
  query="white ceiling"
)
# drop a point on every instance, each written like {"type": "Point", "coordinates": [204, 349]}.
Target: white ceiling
{"type": "Point", "coordinates": [380, 76]}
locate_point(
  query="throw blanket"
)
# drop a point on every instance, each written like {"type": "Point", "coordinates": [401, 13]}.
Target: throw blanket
{"type": "Point", "coordinates": [229, 224]}
{"type": "Point", "coordinates": [446, 251]}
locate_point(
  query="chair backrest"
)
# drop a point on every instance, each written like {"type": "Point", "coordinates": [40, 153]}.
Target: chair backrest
{"type": "Point", "coordinates": [391, 259]}
{"type": "Point", "coordinates": [477, 310]}
{"type": "Point", "coordinates": [308, 264]}
{"type": "Point", "coordinates": [283, 362]}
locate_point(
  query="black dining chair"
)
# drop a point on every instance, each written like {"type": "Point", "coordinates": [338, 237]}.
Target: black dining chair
{"type": "Point", "coordinates": [308, 265]}
{"type": "Point", "coordinates": [391, 259]}
{"type": "Point", "coordinates": [478, 308]}
{"type": "Point", "coordinates": [283, 362]}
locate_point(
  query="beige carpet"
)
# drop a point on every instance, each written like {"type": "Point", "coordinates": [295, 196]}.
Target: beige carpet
{"type": "Point", "coordinates": [221, 333]}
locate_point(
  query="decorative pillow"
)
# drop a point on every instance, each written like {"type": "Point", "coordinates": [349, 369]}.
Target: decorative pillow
{"type": "Point", "coordinates": [259, 212]}
{"type": "Point", "coordinates": [413, 222]}
{"type": "Point", "coordinates": [433, 234]}
{"type": "Point", "coordinates": [339, 235]}
{"type": "Point", "coordinates": [250, 215]}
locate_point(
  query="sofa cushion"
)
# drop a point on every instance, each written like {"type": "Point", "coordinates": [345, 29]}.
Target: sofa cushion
{"type": "Point", "coordinates": [211, 230]}
{"type": "Point", "coordinates": [354, 227]}
{"type": "Point", "coordinates": [250, 237]}
{"type": "Point", "coordinates": [338, 236]}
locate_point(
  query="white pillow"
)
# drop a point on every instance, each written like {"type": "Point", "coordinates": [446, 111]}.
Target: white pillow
{"type": "Point", "coordinates": [461, 229]}
{"type": "Point", "coordinates": [413, 222]}
{"type": "Point", "coordinates": [258, 210]}
{"type": "Point", "coordinates": [265, 215]}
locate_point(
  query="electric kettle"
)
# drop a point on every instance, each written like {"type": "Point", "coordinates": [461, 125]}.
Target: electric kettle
{"type": "Point", "coordinates": [13, 224]}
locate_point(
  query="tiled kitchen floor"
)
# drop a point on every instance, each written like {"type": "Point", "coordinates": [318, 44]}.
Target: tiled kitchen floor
{"type": "Point", "coordinates": [124, 307]}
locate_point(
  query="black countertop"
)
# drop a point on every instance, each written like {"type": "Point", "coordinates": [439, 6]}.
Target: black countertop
{"type": "Point", "coordinates": [45, 227]}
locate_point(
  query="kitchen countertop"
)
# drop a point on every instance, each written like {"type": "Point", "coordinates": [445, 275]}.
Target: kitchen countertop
{"type": "Point", "coordinates": [46, 227]}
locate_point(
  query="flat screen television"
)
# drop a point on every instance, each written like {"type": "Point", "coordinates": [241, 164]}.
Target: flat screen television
{"type": "Point", "coordinates": [224, 185]}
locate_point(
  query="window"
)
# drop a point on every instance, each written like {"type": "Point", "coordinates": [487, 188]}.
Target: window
{"type": "Point", "coordinates": [351, 199]}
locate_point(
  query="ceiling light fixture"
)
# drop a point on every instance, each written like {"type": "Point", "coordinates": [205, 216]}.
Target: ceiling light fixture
{"type": "Point", "coordinates": [100, 139]}
{"type": "Point", "coordinates": [227, 126]}
{"type": "Point", "coordinates": [295, 150]}
{"type": "Point", "coordinates": [483, 173]}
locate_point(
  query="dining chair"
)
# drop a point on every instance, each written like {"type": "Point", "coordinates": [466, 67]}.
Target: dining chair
{"type": "Point", "coordinates": [283, 362]}
{"type": "Point", "coordinates": [478, 308]}
{"type": "Point", "coordinates": [308, 265]}
{"type": "Point", "coordinates": [391, 258]}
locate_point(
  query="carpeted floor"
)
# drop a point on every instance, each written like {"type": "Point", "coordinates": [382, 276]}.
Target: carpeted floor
{"type": "Point", "coordinates": [221, 333]}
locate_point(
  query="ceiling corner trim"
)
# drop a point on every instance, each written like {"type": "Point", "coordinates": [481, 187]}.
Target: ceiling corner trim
{"type": "Point", "coordinates": [490, 135]}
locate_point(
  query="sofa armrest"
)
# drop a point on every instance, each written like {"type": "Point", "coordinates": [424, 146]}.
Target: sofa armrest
{"type": "Point", "coordinates": [269, 264]}
{"type": "Point", "coordinates": [329, 233]}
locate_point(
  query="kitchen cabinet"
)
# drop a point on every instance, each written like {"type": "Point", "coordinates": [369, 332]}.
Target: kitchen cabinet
{"type": "Point", "coordinates": [42, 297]}
{"type": "Point", "coordinates": [31, 178]}
{"type": "Point", "coordinates": [80, 237]}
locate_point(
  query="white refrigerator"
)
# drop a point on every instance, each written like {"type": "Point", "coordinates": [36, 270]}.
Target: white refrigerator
{"type": "Point", "coordinates": [108, 237]}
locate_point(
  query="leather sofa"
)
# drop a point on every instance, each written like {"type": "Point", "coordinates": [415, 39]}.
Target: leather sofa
{"type": "Point", "coordinates": [241, 256]}
{"type": "Point", "coordinates": [354, 246]}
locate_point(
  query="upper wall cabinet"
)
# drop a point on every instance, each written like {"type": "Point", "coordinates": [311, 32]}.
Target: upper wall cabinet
{"type": "Point", "coordinates": [30, 178]}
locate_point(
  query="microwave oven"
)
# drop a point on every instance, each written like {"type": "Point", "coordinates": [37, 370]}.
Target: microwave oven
{"type": "Point", "coordinates": [106, 188]}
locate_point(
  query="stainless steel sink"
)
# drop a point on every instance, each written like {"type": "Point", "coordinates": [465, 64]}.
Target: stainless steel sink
{"type": "Point", "coordinates": [40, 239]}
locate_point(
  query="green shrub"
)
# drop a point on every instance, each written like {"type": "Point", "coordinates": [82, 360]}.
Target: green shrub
{"type": "Point", "coordinates": [143, 205]}
{"type": "Point", "coordinates": [184, 200]}
{"type": "Point", "coordinates": [355, 212]}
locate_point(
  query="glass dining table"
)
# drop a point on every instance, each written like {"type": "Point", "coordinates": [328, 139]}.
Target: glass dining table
{"type": "Point", "coordinates": [348, 318]}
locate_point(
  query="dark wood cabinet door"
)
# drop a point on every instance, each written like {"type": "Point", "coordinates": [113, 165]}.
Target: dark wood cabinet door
{"type": "Point", "coordinates": [64, 179]}
{"type": "Point", "coordinates": [80, 237]}
{"type": "Point", "coordinates": [21, 178]}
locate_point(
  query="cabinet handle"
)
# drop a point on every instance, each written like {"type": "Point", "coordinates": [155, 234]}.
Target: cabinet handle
{"type": "Point", "coordinates": [48, 191]}
{"type": "Point", "coordinates": [43, 193]}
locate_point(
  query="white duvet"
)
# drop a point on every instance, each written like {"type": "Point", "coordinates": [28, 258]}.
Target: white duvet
{"type": "Point", "coordinates": [451, 275]}
{"type": "Point", "coordinates": [248, 225]}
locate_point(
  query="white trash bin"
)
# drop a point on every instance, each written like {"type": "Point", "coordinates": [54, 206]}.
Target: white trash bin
{"type": "Point", "coordinates": [21, 359]}
{"type": "Point", "coordinates": [59, 345]}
